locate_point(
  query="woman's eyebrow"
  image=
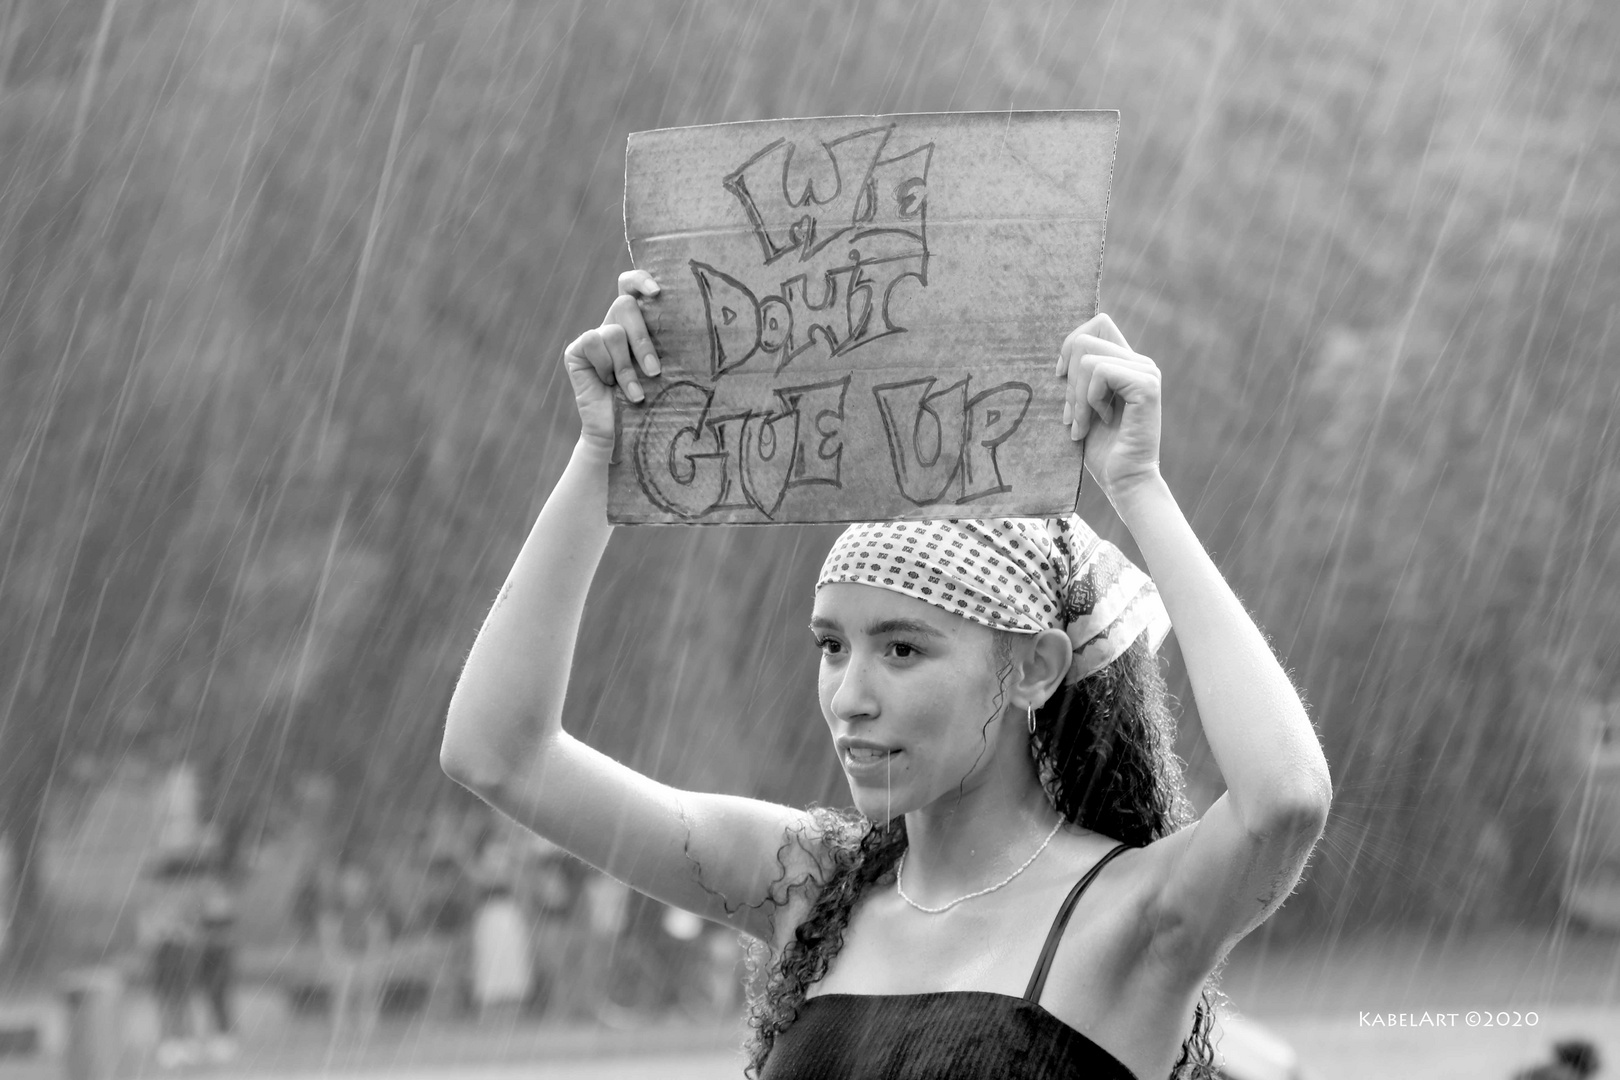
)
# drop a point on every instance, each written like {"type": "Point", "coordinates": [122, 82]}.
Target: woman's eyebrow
{"type": "Point", "coordinates": [882, 626]}
{"type": "Point", "coordinates": [902, 626]}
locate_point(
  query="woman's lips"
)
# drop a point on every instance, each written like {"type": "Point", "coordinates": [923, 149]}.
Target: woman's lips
{"type": "Point", "coordinates": [865, 761]}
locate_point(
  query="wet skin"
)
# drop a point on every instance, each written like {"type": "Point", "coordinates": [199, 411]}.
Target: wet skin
{"type": "Point", "coordinates": [903, 674]}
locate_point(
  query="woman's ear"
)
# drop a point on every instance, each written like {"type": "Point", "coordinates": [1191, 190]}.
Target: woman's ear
{"type": "Point", "coordinates": [1045, 666]}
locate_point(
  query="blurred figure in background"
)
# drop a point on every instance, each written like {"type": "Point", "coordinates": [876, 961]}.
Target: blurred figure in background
{"type": "Point", "coordinates": [180, 829]}
{"type": "Point", "coordinates": [724, 976]}
{"type": "Point", "coordinates": [502, 974]}
{"type": "Point", "coordinates": [353, 933]}
{"type": "Point", "coordinates": [1573, 1059]}
{"type": "Point", "coordinates": [553, 891]}
{"type": "Point", "coordinates": [502, 971]}
{"type": "Point", "coordinates": [449, 847]}
{"type": "Point", "coordinates": [216, 967]}
{"type": "Point", "coordinates": [599, 919]}
{"type": "Point", "coordinates": [447, 911]}
{"type": "Point", "coordinates": [169, 934]}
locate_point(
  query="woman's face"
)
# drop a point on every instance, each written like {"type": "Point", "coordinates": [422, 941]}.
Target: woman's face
{"type": "Point", "coordinates": [910, 696]}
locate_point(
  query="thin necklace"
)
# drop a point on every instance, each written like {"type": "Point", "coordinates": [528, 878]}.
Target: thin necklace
{"type": "Point", "coordinates": [900, 878]}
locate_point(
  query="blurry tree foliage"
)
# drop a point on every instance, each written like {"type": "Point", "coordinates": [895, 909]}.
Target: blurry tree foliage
{"type": "Point", "coordinates": [286, 280]}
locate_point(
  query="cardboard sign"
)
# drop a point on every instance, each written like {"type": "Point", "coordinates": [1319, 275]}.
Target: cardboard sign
{"type": "Point", "coordinates": [860, 316]}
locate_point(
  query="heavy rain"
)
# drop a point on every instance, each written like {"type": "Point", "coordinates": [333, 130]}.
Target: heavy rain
{"type": "Point", "coordinates": [286, 283]}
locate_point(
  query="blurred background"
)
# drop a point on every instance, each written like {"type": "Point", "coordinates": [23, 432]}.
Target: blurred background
{"type": "Point", "coordinates": [286, 281]}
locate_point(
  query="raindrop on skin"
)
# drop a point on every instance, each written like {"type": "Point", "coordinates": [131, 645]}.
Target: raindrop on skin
{"type": "Point", "coordinates": [888, 806]}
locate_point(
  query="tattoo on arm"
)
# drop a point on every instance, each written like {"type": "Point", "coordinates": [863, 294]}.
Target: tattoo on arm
{"type": "Point", "coordinates": [777, 892]}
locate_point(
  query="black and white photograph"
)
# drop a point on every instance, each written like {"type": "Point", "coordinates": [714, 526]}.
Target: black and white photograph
{"type": "Point", "coordinates": [814, 540]}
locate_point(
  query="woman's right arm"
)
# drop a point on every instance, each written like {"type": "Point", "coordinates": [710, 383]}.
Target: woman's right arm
{"type": "Point", "coordinates": [723, 857]}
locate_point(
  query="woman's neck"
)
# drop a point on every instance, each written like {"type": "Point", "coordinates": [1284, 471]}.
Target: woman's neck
{"type": "Point", "coordinates": [962, 843]}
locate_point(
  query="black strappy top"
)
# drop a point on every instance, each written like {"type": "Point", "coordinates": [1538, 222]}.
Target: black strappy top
{"type": "Point", "coordinates": [946, 1035]}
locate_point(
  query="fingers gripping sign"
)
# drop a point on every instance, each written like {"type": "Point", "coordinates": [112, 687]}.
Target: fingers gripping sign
{"type": "Point", "coordinates": [1112, 401]}
{"type": "Point", "coordinates": [618, 353]}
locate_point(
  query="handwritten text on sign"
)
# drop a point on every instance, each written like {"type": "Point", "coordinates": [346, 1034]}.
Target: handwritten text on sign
{"type": "Point", "coordinates": [860, 315]}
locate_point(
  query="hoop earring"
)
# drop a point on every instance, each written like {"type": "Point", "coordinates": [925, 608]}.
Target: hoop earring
{"type": "Point", "coordinates": [1032, 719]}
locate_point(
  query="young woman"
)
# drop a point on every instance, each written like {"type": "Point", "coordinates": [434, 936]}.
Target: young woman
{"type": "Point", "coordinates": [1001, 723]}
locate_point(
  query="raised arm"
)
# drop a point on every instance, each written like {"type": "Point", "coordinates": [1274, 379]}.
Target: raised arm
{"type": "Point", "coordinates": [1221, 877]}
{"type": "Point", "coordinates": [714, 855]}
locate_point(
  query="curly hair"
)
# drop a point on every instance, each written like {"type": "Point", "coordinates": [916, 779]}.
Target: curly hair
{"type": "Point", "coordinates": [1103, 748]}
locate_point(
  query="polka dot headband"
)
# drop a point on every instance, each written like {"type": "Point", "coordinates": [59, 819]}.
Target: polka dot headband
{"type": "Point", "coordinates": [1022, 575]}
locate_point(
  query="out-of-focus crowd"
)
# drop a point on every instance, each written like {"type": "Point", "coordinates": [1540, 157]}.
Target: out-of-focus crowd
{"type": "Point", "coordinates": [471, 917]}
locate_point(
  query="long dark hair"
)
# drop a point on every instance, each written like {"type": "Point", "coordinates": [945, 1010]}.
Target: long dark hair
{"type": "Point", "coordinates": [1104, 749]}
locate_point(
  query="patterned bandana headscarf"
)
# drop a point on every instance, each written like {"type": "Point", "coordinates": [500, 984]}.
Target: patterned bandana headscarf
{"type": "Point", "coordinates": [1023, 575]}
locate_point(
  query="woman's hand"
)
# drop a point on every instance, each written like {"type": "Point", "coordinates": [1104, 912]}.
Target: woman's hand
{"type": "Point", "coordinates": [608, 356]}
{"type": "Point", "coordinates": [1112, 402]}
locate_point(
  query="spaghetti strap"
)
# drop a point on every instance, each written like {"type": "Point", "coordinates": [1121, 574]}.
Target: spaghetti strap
{"type": "Point", "coordinates": [1037, 980]}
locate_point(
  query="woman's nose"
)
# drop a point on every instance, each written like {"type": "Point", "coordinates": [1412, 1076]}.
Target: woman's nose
{"type": "Point", "coordinates": [853, 697]}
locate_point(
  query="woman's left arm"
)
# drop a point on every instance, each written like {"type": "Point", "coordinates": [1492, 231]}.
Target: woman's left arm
{"type": "Point", "coordinates": [1221, 877]}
